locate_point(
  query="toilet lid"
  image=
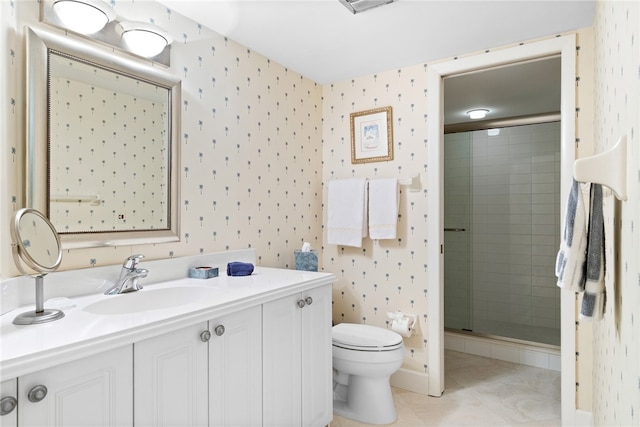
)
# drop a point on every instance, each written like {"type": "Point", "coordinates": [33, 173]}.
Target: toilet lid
{"type": "Point", "coordinates": [364, 337]}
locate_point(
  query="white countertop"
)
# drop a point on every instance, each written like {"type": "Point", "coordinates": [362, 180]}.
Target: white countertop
{"type": "Point", "coordinates": [83, 331]}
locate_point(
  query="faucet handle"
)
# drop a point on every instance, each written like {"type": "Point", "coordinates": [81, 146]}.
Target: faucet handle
{"type": "Point", "coordinates": [132, 262]}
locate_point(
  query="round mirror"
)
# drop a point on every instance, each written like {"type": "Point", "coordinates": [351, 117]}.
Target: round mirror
{"type": "Point", "coordinates": [37, 245]}
{"type": "Point", "coordinates": [37, 242]}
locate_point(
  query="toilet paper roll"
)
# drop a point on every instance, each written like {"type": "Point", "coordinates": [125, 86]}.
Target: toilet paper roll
{"type": "Point", "coordinates": [402, 327]}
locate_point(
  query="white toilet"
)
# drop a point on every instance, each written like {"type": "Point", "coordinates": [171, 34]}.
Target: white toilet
{"type": "Point", "coordinates": [364, 357]}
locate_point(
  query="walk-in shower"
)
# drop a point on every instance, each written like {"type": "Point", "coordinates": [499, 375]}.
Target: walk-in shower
{"type": "Point", "coordinates": [502, 214]}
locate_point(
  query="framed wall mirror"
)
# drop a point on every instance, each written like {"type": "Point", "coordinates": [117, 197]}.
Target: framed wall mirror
{"type": "Point", "coordinates": [102, 142]}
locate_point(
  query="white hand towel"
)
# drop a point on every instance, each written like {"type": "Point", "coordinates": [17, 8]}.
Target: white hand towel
{"type": "Point", "coordinates": [346, 213]}
{"type": "Point", "coordinates": [593, 300]}
{"type": "Point", "coordinates": [570, 262]}
{"type": "Point", "coordinates": [383, 208]}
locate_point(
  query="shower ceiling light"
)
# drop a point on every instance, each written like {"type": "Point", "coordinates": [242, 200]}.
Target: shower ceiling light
{"type": "Point", "coordinates": [143, 39]}
{"type": "Point", "coordinates": [357, 6]}
{"type": "Point", "coordinates": [83, 16]}
{"type": "Point", "coordinates": [479, 113]}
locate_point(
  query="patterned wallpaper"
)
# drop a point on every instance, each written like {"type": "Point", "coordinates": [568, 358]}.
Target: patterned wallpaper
{"type": "Point", "coordinates": [251, 148]}
{"type": "Point", "coordinates": [383, 275]}
{"type": "Point", "coordinates": [260, 144]}
{"type": "Point", "coordinates": [616, 351]}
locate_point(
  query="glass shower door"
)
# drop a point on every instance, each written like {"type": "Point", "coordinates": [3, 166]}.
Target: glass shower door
{"type": "Point", "coordinates": [457, 232]}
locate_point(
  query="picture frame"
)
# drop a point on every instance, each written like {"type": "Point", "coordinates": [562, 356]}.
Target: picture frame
{"type": "Point", "coordinates": [372, 135]}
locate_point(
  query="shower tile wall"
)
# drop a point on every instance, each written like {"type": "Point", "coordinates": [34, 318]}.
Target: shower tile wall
{"type": "Point", "coordinates": [515, 232]}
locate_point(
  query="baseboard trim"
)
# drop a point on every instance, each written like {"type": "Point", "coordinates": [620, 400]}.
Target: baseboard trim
{"type": "Point", "coordinates": [416, 382]}
{"type": "Point", "coordinates": [524, 353]}
{"type": "Point", "coordinates": [584, 418]}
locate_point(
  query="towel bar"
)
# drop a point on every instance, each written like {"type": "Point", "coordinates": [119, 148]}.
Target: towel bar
{"type": "Point", "coordinates": [412, 184]}
{"type": "Point", "coordinates": [94, 200]}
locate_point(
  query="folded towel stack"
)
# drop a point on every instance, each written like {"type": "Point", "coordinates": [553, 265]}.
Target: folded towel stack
{"type": "Point", "coordinates": [237, 268]}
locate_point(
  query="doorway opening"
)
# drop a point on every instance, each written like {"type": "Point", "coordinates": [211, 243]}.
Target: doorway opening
{"type": "Point", "coordinates": [565, 47]}
{"type": "Point", "coordinates": [502, 203]}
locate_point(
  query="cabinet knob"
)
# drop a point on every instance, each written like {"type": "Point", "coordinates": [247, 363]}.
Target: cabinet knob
{"type": "Point", "coordinates": [205, 336]}
{"type": "Point", "coordinates": [301, 303]}
{"type": "Point", "coordinates": [7, 405]}
{"type": "Point", "coordinates": [37, 394]}
{"type": "Point", "coordinates": [219, 330]}
{"type": "Point", "coordinates": [308, 300]}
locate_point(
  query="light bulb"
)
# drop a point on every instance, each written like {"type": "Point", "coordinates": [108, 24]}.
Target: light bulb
{"type": "Point", "coordinates": [143, 39]}
{"type": "Point", "coordinates": [479, 113]}
{"type": "Point", "coordinates": [86, 17]}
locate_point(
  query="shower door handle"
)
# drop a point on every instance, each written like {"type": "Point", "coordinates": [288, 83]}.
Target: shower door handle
{"type": "Point", "coordinates": [457, 230]}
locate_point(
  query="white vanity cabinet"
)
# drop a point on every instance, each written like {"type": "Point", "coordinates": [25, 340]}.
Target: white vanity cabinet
{"type": "Point", "coordinates": [238, 351]}
{"type": "Point", "coordinates": [9, 403]}
{"type": "Point", "coordinates": [94, 391]}
{"type": "Point", "coordinates": [297, 360]}
{"type": "Point", "coordinates": [235, 369]}
{"type": "Point", "coordinates": [209, 373]}
{"type": "Point", "coordinates": [170, 378]}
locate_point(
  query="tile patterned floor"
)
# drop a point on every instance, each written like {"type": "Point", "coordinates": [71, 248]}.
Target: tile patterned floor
{"type": "Point", "coordinates": [481, 392]}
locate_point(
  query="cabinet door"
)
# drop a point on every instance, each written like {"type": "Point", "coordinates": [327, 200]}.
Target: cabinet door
{"type": "Point", "coordinates": [95, 391]}
{"type": "Point", "coordinates": [235, 373]}
{"type": "Point", "coordinates": [8, 403]}
{"type": "Point", "coordinates": [171, 379]}
{"type": "Point", "coordinates": [281, 324]}
{"type": "Point", "coordinates": [317, 358]}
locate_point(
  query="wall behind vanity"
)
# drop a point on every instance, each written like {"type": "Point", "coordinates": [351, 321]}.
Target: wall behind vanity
{"type": "Point", "coordinates": [251, 170]}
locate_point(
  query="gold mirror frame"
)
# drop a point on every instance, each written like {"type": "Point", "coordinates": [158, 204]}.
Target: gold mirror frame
{"type": "Point", "coordinates": [39, 41]}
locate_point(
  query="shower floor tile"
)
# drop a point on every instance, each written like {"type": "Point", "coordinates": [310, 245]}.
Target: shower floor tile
{"type": "Point", "coordinates": [481, 392]}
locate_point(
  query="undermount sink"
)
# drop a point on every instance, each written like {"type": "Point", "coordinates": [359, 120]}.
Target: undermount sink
{"type": "Point", "coordinates": [149, 299]}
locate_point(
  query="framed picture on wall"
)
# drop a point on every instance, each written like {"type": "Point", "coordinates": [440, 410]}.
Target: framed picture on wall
{"type": "Point", "coordinates": [372, 135]}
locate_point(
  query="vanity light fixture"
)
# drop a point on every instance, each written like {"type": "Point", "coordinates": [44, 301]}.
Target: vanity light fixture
{"type": "Point", "coordinates": [478, 113]}
{"type": "Point", "coordinates": [143, 39]}
{"type": "Point", "coordinates": [357, 6]}
{"type": "Point", "coordinates": [84, 16]}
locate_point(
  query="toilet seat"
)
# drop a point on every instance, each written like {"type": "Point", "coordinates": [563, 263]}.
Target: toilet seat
{"type": "Point", "coordinates": [352, 336]}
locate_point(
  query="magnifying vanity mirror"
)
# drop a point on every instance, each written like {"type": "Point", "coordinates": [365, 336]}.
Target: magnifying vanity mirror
{"type": "Point", "coordinates": [36, 245]}
{"type": "Point", "coordinates": [102, 142]}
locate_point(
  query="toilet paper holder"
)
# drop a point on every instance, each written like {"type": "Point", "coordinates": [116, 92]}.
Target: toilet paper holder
{"type": "Point", "coordinates": [402, 323]}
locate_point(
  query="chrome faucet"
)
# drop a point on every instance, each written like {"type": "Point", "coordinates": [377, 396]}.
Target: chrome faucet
{"type": "Point", "coordinates": [129, 275]}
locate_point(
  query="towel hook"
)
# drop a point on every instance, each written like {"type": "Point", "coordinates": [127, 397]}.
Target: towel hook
{"type": "Point", "coordinates": [608, 168]}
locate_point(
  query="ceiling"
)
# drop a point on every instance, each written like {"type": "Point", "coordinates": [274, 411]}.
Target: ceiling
{"type": "Point", "coordinates": [324, 42]}
{"type": "Point", "coordinates": [519, 90]}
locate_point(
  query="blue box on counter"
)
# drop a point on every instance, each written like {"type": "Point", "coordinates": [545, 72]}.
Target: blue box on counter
{"type": "Point", "coordinates": [203, 272]}
{"type": "Point", "coordinates": [306, 261]}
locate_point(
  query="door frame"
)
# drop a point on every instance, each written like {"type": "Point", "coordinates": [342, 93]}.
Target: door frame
{"type": "Point", "coordinates": [566, 47]}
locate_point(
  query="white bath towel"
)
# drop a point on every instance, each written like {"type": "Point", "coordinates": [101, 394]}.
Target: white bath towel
{"type": "Point", "coordinates": [570, 262]}
{"type": "Point", "coordinates": [593, 300]}
{"type": "Point", "coordinates": [346, 212]}
{"type": "Point", "coordinates": [383, 208]}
